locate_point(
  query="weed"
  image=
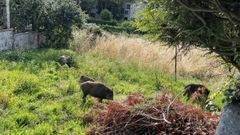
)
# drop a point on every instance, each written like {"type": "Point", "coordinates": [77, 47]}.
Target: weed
{"type": "Point", "coordinates": [4, 101]}
{"type": "Point", "coordinates": [27, 87]}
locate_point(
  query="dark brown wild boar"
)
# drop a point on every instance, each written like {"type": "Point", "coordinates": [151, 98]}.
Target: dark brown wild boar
{"type": "Point", "coordinates": [85, 78]}
{"type": "Point", "coordinates": [97, 90]}
{"type": "Point", "coordinates": [192, 88]}
{"type": "Point", "coordinates": [62, 60]}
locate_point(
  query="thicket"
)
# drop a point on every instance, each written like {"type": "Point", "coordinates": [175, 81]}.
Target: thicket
{"type": "Point", "coordinates": [115, 27]}
{"type": "Point", "coordinates": [55, 18]}
{"type": "Point", "coordinates": [121, 27]}
{"type": "Point", "coordinates": [106, 15]}
{"type": "Point", "coordinates": [102, 22]}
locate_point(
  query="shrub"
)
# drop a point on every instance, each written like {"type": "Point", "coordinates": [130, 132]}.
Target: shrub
{"type": "Point", "coordinates": [119, 29]}
{"type": "Point", "coordinates": [16, 56]}
{"type": "Point", "coordinates": [27, 12]}
{"type": "Point", "coordinates": [103, 22]}
{"type": "Point", "coordinates": [128, 26]}
{"type": "Point", "coordinates": [106, 15]}
{"type": "Point", "coordinates": [56, 18]}
{"type": "Point", "coordinates": [60, 22]}
{"type": "Point", "coordinates": [113, 29]}
{"type": "Point", "coordinates": [94, 29]}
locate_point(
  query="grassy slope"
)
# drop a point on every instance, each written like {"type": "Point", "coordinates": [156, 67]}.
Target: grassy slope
{"type": "Point", "coordinates": [39, 96]}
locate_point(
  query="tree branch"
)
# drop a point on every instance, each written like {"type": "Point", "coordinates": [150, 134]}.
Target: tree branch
{"type": "Point", "coordinates": [196, 9]}
{"type": "Point", "coordinates": [217, 36]}
{"type": "Point", "coordinates": [232, 17]}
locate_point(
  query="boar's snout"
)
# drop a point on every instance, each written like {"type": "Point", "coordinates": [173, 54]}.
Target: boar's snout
{"type": "Point", "coordinates": [110, 96]}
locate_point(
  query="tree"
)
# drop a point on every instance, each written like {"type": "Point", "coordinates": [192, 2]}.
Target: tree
{"type": "Point", "coordinates": [106, 15]}
{"type": "Point", "coordinates": [24, 13]}
{"type": "Point", "coordinates": [55, 18]}
{"type": "Point", "coordinates": [116, 7]}
{"type": "Point", "coordinates": [213, 25]}
{"type": "Point", "coordinates": [61, 16]}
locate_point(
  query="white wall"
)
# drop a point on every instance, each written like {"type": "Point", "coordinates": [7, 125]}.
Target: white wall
{"type": "Point", "coordinates": [6, 40]}
{"type": "Point", "coordinates": [27, 40]}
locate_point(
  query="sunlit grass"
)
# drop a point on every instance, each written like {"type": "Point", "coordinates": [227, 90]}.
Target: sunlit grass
{"type": "Point", "coordinates": [38, 96]}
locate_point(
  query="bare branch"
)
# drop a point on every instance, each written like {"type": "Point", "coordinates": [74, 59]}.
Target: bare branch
{"type": "Point", "coordinates": [168, 108]}
{"type": "Point", "coordinates": [217, 36]}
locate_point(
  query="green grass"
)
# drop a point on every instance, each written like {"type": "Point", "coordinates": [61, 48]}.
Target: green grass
{"type": "Point", "coordinates": [38, 96]}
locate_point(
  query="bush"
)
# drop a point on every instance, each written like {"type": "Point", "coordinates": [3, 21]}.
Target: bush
{"type": "Point", "coordinates": [103, 22]}
{"type": "Point", "coordinates": [127, 25]}
{"type": "Point", "coordinates": [121, 27]}
{"type": "Point", "coordinates": [16, 56]}
{"type": "Point", "coordinates": [115, 29]}
{"type": "Point", "coordinates": [56, 18]}
{"type": "Point", "coordinates": [27, 12]}
{"type": "Point", "coordinates": [106, 15]}
{"type": "Point", "coordinates": [94, 29]}
{"type": "Point", "coordinates": [60, 22]}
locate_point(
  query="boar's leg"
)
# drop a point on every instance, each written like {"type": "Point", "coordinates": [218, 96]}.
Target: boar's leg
{"type": "Point", "coordinates": [84, 98]}
{"type": "Point", "coordinates": [100, 100]}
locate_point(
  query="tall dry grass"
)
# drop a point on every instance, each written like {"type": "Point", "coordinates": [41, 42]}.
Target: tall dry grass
{"type": "Point", "coordinates": [83, 41]}
{"type": "Point", "coordinates": [154, 55]}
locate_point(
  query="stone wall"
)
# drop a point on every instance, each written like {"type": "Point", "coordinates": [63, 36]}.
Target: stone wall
{"type": "Point", "coordinates": [6, 40]}
{"type": "Point", "coordinates": [27, 40]}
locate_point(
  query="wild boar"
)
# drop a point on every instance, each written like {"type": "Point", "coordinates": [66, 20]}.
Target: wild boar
{"type": "Point", "coordinates": [97, 90]}
{"type": "Point", "coordinates": [192, 88]}
{"type": "Point", "coordinates": [85, 78]}
{"type": "Point", "coordinates": [62, 60]}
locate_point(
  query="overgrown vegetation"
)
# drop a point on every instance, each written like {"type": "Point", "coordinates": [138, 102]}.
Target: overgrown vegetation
{"type": "Point", "coordinates": [211, 25]}
{"type": "Point", "coordinates": [55, 18]}
{"type": "Point", "coordinates": [106, 15]}
{"type": "Point", "coordinates": [40, 96]}
{"type": "Point", "coordinates": [114, 27]}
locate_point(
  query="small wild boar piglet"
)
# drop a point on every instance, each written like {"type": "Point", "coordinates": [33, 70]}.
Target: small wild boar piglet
{"type": "Point", "coordinates": [62, 60]}
{"type": "Point", "coordinates": [97, 90]}
{"type": "Point", "coordinates": [85, 78]}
